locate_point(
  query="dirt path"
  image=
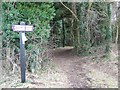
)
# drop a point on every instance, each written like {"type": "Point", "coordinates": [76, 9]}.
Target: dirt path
{"type": "Point", "coordinates": [83, 72]}
{"type": "Point", "coordinates": [70, 65]}
{"type": "Point", "coordinates": [70, 71]}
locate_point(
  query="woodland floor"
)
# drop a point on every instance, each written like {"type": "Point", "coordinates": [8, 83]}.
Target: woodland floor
{"type": "Point", "coordinates": [70, 71]}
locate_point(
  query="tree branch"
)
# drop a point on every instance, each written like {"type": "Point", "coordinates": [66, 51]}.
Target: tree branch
{"type": "Point", "coordinates": [69, 10]}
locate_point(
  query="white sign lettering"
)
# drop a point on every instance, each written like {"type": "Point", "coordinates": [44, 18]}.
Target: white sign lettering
{"type": "Point", "coordinates": [22, 28]}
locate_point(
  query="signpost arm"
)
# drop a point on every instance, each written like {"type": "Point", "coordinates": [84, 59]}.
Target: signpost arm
{"type": "Point", "coordinates": [22, 28]}
{"type": "Point", "coordinates": [22, 57]}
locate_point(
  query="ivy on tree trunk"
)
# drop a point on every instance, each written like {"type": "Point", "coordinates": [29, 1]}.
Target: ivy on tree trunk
{"type": "Point", "coordinates": [0, 40]}
{"type": "Point", "coordinates": [109, 29]}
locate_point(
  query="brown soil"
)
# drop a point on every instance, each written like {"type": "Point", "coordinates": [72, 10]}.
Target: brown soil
{"type": "Point", "coordinates": [84, 72]}
{"type": "Point", "coordinates": [71, 71]}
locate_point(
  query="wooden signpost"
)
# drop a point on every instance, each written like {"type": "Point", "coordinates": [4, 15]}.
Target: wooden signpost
{"type": "Point", "coordinates": [22, 28]}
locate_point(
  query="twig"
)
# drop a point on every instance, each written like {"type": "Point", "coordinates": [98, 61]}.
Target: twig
{"type": "Point", "coordinates": [69, 10]}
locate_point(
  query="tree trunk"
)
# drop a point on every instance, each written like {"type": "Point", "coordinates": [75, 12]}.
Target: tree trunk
{"type": "Point", "coordinates": [84, 30]}
{"type": "Point", "coordinates": [0, 41]}
{"type": "Point", "coordinates": [109, 31]}
{"type": "Point", "coordinates": [118, 22]}
{"type": "Point", "coordinates": [75, 29]}
{"type": "Point", "coordinates": [1, 54]}
{"type": "Point", "coordinates": [63, 33]}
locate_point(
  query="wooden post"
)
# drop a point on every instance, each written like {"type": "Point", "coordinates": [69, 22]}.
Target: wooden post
{"type": "Point", "coordinates": [22, 28]}
{"type": "Point", "coordinates": [22, 56]}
